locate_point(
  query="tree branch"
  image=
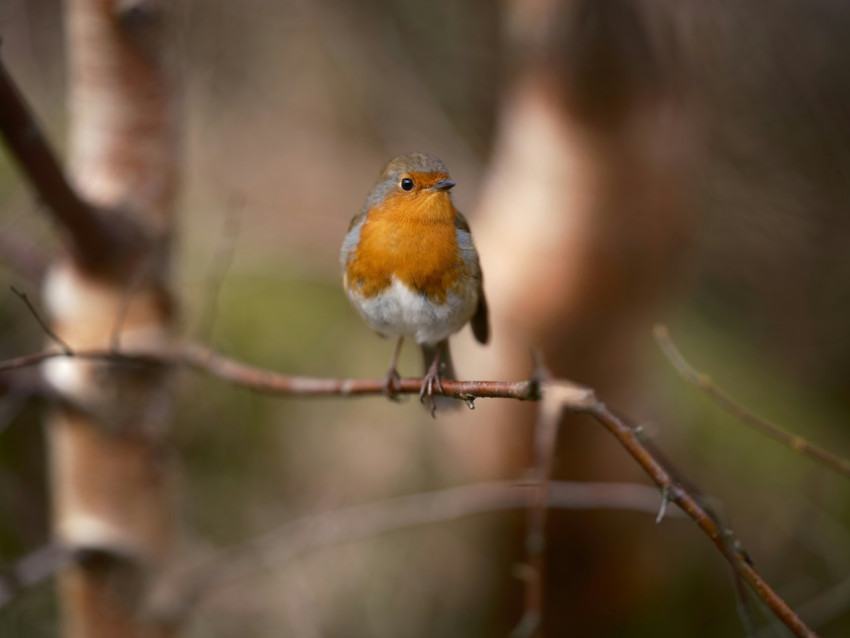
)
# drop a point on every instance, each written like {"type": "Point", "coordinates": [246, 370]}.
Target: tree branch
{"type": "Point", "coordinates": [546, 438]}
{"type": "Point", "coordinates": [628, 438]}
{"type": "Point", "coordinates": [86, 227]}
{"type": "Point", "coordinates": [570, 396]}
{"type": "Point", "coordinates": [705, 383]}
{"type": "Point", "coordinates": [206, 360]}
{"type": "Point", "coordinates": [44, 327]}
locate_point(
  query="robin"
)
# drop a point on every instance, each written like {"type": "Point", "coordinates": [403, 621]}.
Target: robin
{"type": "Point", "coordinates": [410, 267]}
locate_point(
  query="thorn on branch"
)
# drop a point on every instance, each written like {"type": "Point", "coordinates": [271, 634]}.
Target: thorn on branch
{"type": "Point", "coordinates": [739, 549]}
{"type": "Point", "coordinates": [665, 498]}
{"type": "Point", "coordinates": [52, 335]}
{"type": "Point", "coordinates": [540, 374]}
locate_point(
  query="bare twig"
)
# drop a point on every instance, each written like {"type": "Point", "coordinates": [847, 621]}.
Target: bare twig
{"type": "Point", "coordinates": [716, 511]}
{"type": "Point", "coordinates": [731, 548]}
{"type": "Point", "coordinates": [205, 360]}
{"type": "Point", "coordinates": [34, 359]}
{"type": "Point", "coordinates": [180, 591]}
{"type": "Point", "coordinates": [678, 494]}
{"type": "Point", "coordinates": [52, 335]}
{"type": "Point", "coordinates": [546, 436]}
{"type": "Point", "coordinates": [665, 498]}
{"type": "Point", "coordinates": [705, 382]}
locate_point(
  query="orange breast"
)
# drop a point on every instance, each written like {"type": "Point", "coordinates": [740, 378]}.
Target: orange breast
{"type": "Point", "coordinates": [413, 240]}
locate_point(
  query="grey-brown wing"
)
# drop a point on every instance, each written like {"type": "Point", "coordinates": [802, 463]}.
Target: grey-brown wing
{"type": "Point", "coordinates": [351, 238]}
{"type": "Point", "coordinates": [480, 321]}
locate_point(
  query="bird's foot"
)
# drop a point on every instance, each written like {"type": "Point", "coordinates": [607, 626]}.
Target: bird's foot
{"type": "Point", "coordinates": [431, 380]}
{"type": "Point", "coordinates": [391, 382]}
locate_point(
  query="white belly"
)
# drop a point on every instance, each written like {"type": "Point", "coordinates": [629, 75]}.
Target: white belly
{"type": "Point", "coordinates": [400, 311]}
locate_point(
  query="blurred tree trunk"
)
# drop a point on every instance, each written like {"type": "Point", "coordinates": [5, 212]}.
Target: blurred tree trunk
{"type": "Point", "coordinates": [587, 189]}
{"type": "Point", "coordinates": [111, 475]}
{"type": "Point", "coordinates": [587, 197]}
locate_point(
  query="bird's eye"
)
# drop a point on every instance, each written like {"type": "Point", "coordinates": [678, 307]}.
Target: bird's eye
{"type": "Point", "coordinates": [407, 184]}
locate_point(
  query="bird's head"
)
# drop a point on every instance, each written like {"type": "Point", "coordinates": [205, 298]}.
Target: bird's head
{"type": "Point", "coordinates": [414, 181]}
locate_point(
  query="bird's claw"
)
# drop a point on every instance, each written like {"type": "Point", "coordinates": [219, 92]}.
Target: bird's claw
{"type": "Point", "coordinates": [391, 382]}
{"type": "Point", "coordinates": [431, 380]}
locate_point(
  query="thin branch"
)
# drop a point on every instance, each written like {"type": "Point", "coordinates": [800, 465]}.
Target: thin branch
{"type": "Point", "coordinates": [739, 560]}
{"type": "Point", "coordinates": [546, 437]}
{"type": "Point", "coordinates": [716, 511]}
{"type": "Point", "coordinates": [705, 382]}
{"type": "Point", "coordinates": [203, 359]}
{"type": "Point", "coordinates": [573, 398]}
{"type": "Point", "coordinates": [179, 591]}
{"type": "Point", "coordinates": [52, 335]}
{"type": "Point", "coordinates": [36, 158]}
{"type": "Point", "coordinates": [36, 358]}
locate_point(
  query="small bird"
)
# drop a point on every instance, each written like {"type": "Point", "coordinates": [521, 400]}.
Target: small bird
{"type": "Point", "coordinates": [410, 267]}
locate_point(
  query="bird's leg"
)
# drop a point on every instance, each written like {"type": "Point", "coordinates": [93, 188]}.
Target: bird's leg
{"type": "Point", "coordinates": [432, 378]}
{"type": "Point", "coordinates": [392, 373]}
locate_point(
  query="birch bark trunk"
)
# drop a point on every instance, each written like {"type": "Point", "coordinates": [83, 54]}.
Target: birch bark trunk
{"type": "Point", "coordinates": [108, 444]}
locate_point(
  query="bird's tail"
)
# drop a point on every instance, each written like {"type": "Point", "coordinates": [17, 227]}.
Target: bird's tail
{"type": "Point", "coordinates": [447, 371]}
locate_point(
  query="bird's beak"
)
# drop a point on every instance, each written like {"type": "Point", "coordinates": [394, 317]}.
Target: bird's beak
{"type": "Point", "coordinates": [442, 185]}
